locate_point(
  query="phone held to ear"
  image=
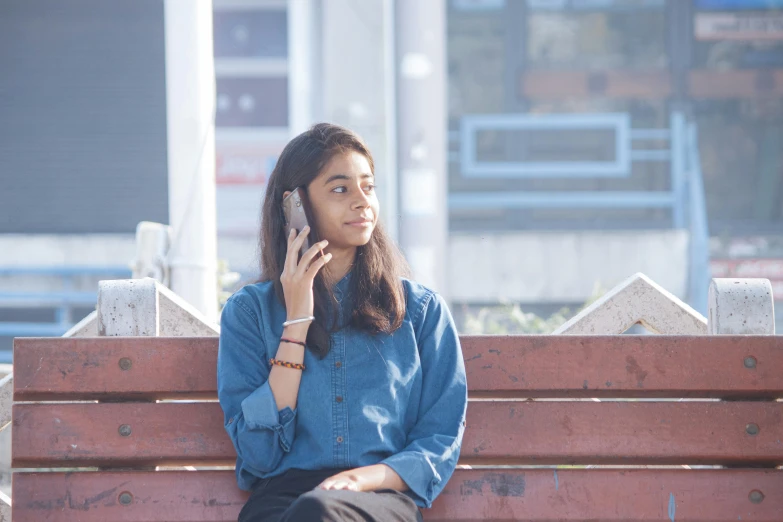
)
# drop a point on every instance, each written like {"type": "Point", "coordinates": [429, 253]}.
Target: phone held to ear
{"type": "Point", "coordinates": [296, 213]}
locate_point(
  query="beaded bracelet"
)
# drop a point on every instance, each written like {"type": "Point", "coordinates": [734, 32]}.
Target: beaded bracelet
{"type": "Point", "coordinates": [285, 364]}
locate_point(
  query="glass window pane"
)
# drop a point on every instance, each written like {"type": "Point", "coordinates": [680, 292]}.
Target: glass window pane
{"type": "Point", "coordinates": [476, 48]}
{"type": "Point", "coordinates": [251, 34]}
{"type": "Point", "coordinates": [740, 142]}
{"type": "Point", "coordinates": [738, 40]}
{"type": "Point", "coordinates": [546, 146]}
{"type": "Point", "coordinates": [252, 102]}
{"type": "Point", "coordinates": [628, 39]}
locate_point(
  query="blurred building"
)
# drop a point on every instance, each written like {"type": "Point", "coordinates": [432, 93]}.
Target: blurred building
{"type": "Point", "coordinates": [83, 133]}
{"type": "Point", "coordinates": [569, 125]}
{"type": "Point", "coordinates": [280, 66]}
{"type": "Point", "coordinates": [717, 63]}
{"type": "Point", "coordinates": [588, 139]}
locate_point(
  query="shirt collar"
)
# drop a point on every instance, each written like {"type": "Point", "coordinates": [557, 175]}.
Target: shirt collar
{"type": "Point", "coordinates": [342, 286]}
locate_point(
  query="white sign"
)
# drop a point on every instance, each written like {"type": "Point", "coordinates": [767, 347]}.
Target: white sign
{"type": "Point", "coordinates": [738, 26]}
{"type": "Point", "coordinates": [478, 5]}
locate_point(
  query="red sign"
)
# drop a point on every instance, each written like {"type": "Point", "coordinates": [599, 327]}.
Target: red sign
{"type": "Point", "coordinates": [771, 269]}
{"type": "Point", "coordinates": [246, 164]}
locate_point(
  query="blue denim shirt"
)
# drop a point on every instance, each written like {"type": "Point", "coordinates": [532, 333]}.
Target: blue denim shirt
{"type": "Point", "coordinates": [397, 399]}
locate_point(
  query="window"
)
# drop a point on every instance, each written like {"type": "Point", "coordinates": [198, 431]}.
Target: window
{"type": "Point", "coordinates": [618, 36]}
{"type": "Point", "coordinates": [252, 102]}
{"type": "Point", "coordinates": [251, 34]}
{"type": "Point", "coordinates": [251, 69]}
{"type": "Point", "coordinates": [742, 164]}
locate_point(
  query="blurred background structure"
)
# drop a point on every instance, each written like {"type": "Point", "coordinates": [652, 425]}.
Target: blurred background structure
{"type": "Point", "coordinates": [527, 151]}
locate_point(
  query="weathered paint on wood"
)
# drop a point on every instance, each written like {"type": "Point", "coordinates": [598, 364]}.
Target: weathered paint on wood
{"type": "Point", "coordinates": [137, 368]}
{"type": "Point", "coordinates": [141, 434]}
{"type": "Point", "coordinates": [497, 432]}
{"type": "Point", "coordinates": [471, 495]}
{"type": "Point", "coordinates": [497, 366]}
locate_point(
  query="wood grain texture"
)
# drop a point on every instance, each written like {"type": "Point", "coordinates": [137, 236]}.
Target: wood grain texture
{"type": "Point", "coordinates": [535, 495]}
{"type": "Point", "coordinates": [91, 434]}
{"type": "Point", "coordinates": [623, 366]}
{"type": "Point", "coordinates": [507, 430]}
{"type": "Point", "coordinates": [497, 432]}
{"type": "Point", "coordinates": [497, 366]}
{"type": "Point", "coordinates": [101, 368]}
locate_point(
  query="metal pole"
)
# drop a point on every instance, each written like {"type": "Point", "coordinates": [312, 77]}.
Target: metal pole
{"type": "Point", "coordinates": [303, 32]}
{"type": "Point", "coordinates": [390, 182]}
{"type": "Point", "coordinates": [421, 137]}
{"type": "Point", "coordinates": [190, 108]}
{"type": "Point", "coordinates": [516, 14]}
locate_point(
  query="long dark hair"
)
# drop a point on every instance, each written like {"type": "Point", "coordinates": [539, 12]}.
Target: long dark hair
{"type": "Point", "coordinates": [375, 286]}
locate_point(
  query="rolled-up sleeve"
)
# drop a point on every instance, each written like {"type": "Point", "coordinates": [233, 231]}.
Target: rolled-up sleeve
{"type": "Point", "coordinates": [261, 433]}
{"type": "Point", "coordinates": [433, 445]}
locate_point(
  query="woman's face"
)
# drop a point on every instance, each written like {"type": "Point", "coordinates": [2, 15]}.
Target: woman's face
{"type": "Point", "coordinates": [343, 201]}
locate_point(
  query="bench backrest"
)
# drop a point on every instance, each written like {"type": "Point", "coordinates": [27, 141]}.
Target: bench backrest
{"type": "Point", "coordinates": [535, 401]}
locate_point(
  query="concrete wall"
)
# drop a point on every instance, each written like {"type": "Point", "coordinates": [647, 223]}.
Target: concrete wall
{"type": "Point", "coordinates": [527, 267]}
{"type": "Point", "coordinates": [20, 250]}
{"type": "Point", "coordinates": [555, 267]}
{"type": "Point", "coordinates": [65, 249]}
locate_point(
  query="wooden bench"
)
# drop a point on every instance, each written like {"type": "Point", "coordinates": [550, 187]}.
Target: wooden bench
{"type": "Point", "coordinates": [91, 403]}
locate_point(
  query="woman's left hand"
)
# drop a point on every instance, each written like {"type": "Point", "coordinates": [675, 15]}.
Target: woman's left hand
{"type": "Point", "coordinates": [345, 480]}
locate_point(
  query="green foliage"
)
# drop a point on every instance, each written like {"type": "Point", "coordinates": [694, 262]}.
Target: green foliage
{"type": "Point", "coordinates": [509, 319]}
{"type": "Point", "coordinates": [227, 282]}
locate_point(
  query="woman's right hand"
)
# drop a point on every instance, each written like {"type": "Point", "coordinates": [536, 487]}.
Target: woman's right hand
{"type": "Point", "coordinates": [298, 274]}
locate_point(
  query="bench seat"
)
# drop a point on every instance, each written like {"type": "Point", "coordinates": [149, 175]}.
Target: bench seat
{"type": "Point", "coordinates": [558, 428]}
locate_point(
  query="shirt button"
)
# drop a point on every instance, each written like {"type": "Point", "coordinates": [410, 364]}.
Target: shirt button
{"type": "Point", "coordinates": [339, 399]}
{"type": "Point", "coordinates": [339, 439]}
{"type": "Point", "coordinates": [338, 364]}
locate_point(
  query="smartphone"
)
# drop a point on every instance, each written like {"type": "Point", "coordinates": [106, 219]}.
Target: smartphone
{"type": "Point", "coordinates": [296, 213]}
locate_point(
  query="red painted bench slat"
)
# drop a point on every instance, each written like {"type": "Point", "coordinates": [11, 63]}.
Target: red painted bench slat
{"type": "Point", "coordinates": [534, 495]}
{"type": "Point", "coordinates": [504, 431]}
{"type": "Point", "coordinates": [90, 368]}
{"type": "Point", "coordinates": [497, 366]}
{"type": "Point", "coordinates": [498, 432]}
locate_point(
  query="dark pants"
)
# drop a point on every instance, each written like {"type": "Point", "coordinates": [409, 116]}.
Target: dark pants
{"type": "Point", "coordinates": [292, 497]}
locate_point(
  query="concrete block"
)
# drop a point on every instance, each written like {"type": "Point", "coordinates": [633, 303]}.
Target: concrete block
{"type": "Point", "coordinates": [144, 307]}
{"type": "Point", "coordinates": [152, 242]}
{"type": "Point", "coordinates": [178, 318]}
{"type": "Point", "coordinates": [87, 327]}
{"type": "Point", "coordinates": [128, 307]}
{"type": "Point", "coordinates": [638, 300]}
{"type": "Point", "coordinates": [741, 307]}
{"type": "Point", "coordinates": [6, 399]}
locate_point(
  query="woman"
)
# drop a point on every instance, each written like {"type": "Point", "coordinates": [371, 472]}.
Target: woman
{"type": "Point", "coordinates": [342, 383]}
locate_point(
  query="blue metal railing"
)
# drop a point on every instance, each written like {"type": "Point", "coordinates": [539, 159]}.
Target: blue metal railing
{"type": "Point", "coordinates": [625, 155]}
{"type": "Point", "coordinates": [699, 248]}
{"type": "Point", "coordinates": [471, 167]}
{"type": "Point", "coordinates": [685, 197]}
{"type": "Point", "coordinates": [62, 300]}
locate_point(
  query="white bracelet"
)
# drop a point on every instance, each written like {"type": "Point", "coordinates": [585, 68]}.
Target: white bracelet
{"type": "Point", "coordinates": [297, 321]}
